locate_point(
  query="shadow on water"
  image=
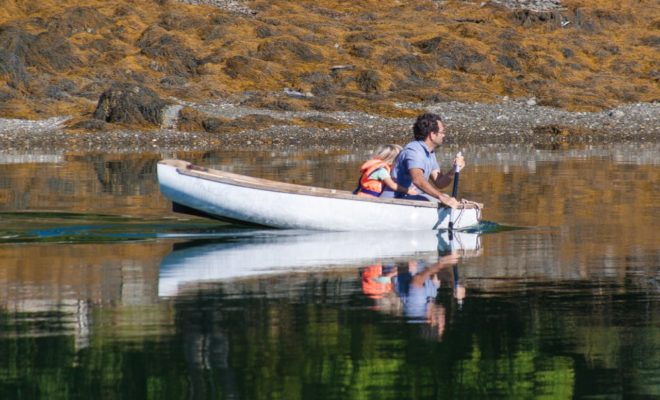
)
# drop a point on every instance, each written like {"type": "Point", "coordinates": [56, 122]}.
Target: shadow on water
{"type": "Point", "coordinates": [53, 227]}
{"type": "Point", "coordinates": [59, 227]}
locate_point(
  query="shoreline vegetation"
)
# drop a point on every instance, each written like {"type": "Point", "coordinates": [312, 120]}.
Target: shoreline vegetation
{"type": "Point", "coordinates": [238, 74]}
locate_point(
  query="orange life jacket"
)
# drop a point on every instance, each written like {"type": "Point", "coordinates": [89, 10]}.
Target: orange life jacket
{"type": "Point", "coordinates": [368, 186]}
{"type": "Point", "coordinates": [371, 285]}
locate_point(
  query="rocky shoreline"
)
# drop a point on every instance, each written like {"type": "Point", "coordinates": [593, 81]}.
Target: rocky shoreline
{"type": "Point", "coordinates": [125, 64]}
{"type": "Point", "coordinates": [510, 121]}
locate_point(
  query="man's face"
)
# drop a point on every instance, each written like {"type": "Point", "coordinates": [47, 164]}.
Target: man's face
{"type": "Point", "coordinates": [438, 137]}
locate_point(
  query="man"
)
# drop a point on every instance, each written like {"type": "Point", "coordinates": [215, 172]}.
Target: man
{"type": "Point", "coordinates": [417, 166]}
{"type": "Point", "coordinates": [418, 284]}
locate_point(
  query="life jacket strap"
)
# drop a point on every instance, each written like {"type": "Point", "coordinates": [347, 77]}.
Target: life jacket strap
{"type": "Point", "coordinates": [359, 186]}
{"type": "Point", "coordinates": [371, 192]}
{"type": "Point", "coordinates": [360, 189]}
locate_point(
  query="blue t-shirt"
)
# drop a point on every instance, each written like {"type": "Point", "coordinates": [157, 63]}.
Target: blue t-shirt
{"type": "Point", "coordinates": [414, 155]}
{"type": "Point", "coordinates": [416, 304]}
{"type": "Point", "coordinates": [415, 300]}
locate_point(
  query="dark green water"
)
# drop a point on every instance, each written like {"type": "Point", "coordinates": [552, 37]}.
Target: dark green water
{"type": "Point", "coordinates": [105, 294]}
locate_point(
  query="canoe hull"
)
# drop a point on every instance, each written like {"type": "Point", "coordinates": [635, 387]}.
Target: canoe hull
{"type": "Point", "coordinates": [253, 201]}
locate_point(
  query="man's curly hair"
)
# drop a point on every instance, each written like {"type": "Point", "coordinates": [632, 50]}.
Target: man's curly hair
{"type": "Point", "coordinates": [425, 124]}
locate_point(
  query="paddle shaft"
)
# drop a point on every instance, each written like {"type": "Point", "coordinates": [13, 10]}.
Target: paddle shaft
{"type": "Point", "coordinates": [454, 192]}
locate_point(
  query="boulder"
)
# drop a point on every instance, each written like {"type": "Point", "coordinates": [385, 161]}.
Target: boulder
{"type": "Point", "coordinates": [368, 81]}
{"type": "Point", "coordinates": [46, 52]}
{"type": "Point", "coordinates": [169, 53]}
{"type": "Point", "coordinates": [131, 104]}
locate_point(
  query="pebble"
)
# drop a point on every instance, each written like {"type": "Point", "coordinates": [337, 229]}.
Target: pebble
{"type": "Point", "coordinates": [511, 121]}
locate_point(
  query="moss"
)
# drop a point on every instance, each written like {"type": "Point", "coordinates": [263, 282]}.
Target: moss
{"type": "Point", "coordinates": [589, 55]}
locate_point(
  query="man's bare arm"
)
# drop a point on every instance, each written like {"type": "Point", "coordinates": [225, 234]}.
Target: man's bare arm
{"type": "Point", "coordinates": [441, 180]}
{"type": "Point", "coordinates": [430, 189]}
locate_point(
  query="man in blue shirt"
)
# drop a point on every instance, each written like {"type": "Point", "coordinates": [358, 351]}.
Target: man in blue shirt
{"type": "Point", "coordinates": [417, 166]}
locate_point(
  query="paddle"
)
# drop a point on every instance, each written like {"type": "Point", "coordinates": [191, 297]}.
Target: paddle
{"type": "Point", "coordinates": [457, 172]}
{"type": "Point", "coordinates": [454, 192]}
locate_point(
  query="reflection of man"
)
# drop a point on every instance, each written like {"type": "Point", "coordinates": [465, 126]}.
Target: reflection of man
{"type": "Point", "coordinates": [417, 286]}
{"type": "Point", "coordinates": [458, 289]}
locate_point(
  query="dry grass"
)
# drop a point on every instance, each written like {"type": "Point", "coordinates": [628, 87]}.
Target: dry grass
{"type": "Point", "coordinates": [605, 54]}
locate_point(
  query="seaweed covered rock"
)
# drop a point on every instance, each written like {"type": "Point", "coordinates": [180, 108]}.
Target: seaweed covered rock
{"type": "Point", "coordinates": [78, 19]}
{"type": "Point", "coordinates": [168, 53]}
{"type": "Point", "coordinates": [130, 104]}
{"type": "Point", "coordinates": [44, 52]}
{"type": "Point", "coordinates": [13, 69]}
{"type": "Point", "coordinates": [578, 55]}
{"type": "Point", "coordinates": [285, 49]}
{"type": "Point", "coordinates": [190, 120]}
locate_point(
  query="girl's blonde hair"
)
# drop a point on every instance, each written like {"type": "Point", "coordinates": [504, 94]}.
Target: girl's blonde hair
{"type": "Point", "coordinates": [388, 152]}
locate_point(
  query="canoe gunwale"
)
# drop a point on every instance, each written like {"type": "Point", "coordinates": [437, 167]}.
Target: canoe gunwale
{"type": "Point", "coordinates": [192, 170]}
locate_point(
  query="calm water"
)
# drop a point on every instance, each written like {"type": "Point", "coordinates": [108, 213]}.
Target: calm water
{"type": "Point", "coordinates": [106, 294]}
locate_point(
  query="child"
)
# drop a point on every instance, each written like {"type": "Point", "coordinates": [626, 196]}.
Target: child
{"type": "Point", "coordinates": [376, 172]}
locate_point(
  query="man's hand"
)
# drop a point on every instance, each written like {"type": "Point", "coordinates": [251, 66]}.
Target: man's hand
{"type": "Point", "coordinates": [459, 161]}
{"type": "Point", "coordinates": [448, 201]}
{"type": "Point", "coordinates": [449, 259]}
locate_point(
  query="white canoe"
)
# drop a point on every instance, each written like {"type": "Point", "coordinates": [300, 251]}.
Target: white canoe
{"type": "Point", "coordinates": [289, 206]}
{"type": "Point", "coordinates": [276, 252]}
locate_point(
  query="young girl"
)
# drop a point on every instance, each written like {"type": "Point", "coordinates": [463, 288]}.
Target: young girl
{"type": "Point", "coordinates": [376, 172]}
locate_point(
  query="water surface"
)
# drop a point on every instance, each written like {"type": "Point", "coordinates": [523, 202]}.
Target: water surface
{"type": "Point", "coordinates": [105, 293]}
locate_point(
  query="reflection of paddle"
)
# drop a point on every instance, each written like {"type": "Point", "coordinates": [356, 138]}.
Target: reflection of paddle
{"type": "Point", "coordinates": [459, 290]}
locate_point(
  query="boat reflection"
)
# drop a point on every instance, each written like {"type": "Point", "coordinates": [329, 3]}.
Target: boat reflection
{"type": "Point", "coordinates": [284, 251]}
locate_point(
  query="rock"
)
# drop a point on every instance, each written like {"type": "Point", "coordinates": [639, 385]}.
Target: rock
{"type": "Point", "coordinates": [557, 130]}
{"type": "Point", "coordinates": [241, 67]}
{"type": "Point", "coordinates": [190, 120]}
{"type": "Point", "coordinates": [337, 68]}
{"type": "Point", "coordinates": [368, 81]}
{"type": "Point", "coordinates": [297, 94]}
{"type": "Point", "coordinates": [264, 31]}
{"type": "Point", "coordinates": [130, 104]}
{"type": "Point", "coordinates": [78, 19]}
{"type": "Point", "coordinates": [321, 84]}
{"type": "Point", "coordinates": [14, 68]}
{"type": "Point", "coordinates": [235, 6]}
{"type": "Point", "coordinates": [173, 81]}
{"type": "Point", "coordinates": [287, 49]}
{"type": "Point", "coordinates": [90, 125]}
{"type": "Point", "coordinates": [528, 18]}
{"type": "Point", "coordinates": [214, 125]}
{"type": "Point", "coordinates": [168, 52]}
{"type": "Point", "coordinates": [179, 20]}
{"type": "Point", "coordinates": [460, 56]}
{"type": "Point", "coordinates": [414, 66]}
{"type": "Point", "coordinates": [361, 51]}
{"type": "Point", "coordinates": [170, 116]}
{"type": "Point", "coordinates": [45, 52]}
{"type": "Point", "coordinates": [274, 103]}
